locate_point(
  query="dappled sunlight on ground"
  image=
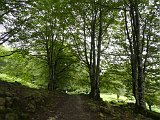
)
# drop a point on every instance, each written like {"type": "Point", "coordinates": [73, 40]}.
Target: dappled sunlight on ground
{"type": "Point", "coordinates": [110, 97]}
{"type": "Point", "coordinates": [113, 97]}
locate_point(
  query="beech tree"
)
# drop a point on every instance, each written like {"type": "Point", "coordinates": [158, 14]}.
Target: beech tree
{"type": "Point", "coordinates": [58, 32]}
{"type": "Point", "coordinates": [38, 30]}
{"type": "Point", "coordinates": [88, 33]}
{"type": "Point", "coordinates": [138, 31]}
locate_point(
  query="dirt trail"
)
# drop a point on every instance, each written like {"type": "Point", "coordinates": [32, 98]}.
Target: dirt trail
{"type": "Point", "coordinates": [73, 108]}
{"type": "Point", "coordinates": [67, 107]}
{"type": "Point", "coordinates": [19, 102]}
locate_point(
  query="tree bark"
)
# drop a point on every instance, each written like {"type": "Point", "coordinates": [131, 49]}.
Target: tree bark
{"type": "Point", "coordinates": [141, 87]}
{"type": "Point", "coordinates": [95, 56]}
{"type": "Point", "coordinates": [136, 47]}
{"type": "Point", "coordinates": [99, 53]}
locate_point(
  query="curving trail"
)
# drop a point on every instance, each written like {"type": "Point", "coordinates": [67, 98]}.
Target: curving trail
{"type": "Point", "coordinates": [66, 107]}
{"type": "Point", "coordinates": [73, 108]}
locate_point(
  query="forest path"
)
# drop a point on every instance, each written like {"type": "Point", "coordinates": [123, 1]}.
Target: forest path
{"type": "Point", "coordinates": [19, 102]}
{"type": "Point", "coordinates": [66, 107]}
{"type": "Point", "coordinates": [71, 108]}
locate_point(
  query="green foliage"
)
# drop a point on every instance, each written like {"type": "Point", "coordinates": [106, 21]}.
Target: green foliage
{"type": "Point", "coordinates": [32, 71]}
{"type": "Point", "coordinates": [2, 62]}
{"type": "Point", "coordinates": [80, 80]}
{"type": "Point", "coordinates": [116, 79]}
{"type": "Point", "coordinates": [59, 30]}
{"type": "Point", "coordinates": [20, 68]}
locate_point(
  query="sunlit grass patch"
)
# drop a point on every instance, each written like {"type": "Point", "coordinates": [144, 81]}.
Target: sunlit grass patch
{"type": "Point", "coordinates": [113, 97]}
{"type": "Point", "coordinates": [110, 97]}
{"type": "Point", "coordinates": [156, 108]}
{"type": "Point", "coordinates": [8, 78]}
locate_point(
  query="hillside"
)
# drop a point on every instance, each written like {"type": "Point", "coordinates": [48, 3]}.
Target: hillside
{"type": "Point", "coordinates": [19, 102]}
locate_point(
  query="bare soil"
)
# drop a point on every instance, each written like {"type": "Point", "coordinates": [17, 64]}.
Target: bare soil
{"type": "Point", "coordinates": [23, 103]}
{"type": "Point", "coordinates": [66, 107]}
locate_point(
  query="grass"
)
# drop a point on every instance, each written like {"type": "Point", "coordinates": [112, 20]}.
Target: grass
{"type": "Point", "coordinates": [113, 97]}
{"type": "Point", "coordinates": [110, 97]}
{"type": "Point", "coordinates": [156, 108]}
{"type": "Point", "coordinates": [8, 78]}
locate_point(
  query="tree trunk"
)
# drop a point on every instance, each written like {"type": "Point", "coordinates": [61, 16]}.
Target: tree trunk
{"type": "Point", "coordinates": [99, 52]}
{"type": "Point", "coordinates": [141, 97]}
{"type": "Point", "coordinates": [52, 85]}
{"type": "Point", "coordinates": [94, 67]}
{"type": "Point", "coordinates": [136, 56]}
{"type": "Point", "coordinates": [150, 107]}
{"type": "Point", "coordinates": [51, 66]}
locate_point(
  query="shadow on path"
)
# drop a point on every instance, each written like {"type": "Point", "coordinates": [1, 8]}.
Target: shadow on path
{"type": "Point", "coordinates": [72, 107]}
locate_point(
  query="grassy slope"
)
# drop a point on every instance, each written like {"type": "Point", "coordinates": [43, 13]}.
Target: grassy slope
{"type": "Point", "coordinates": [7, 78]}
{"type": "Point", "coordinates": [113, 97]}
